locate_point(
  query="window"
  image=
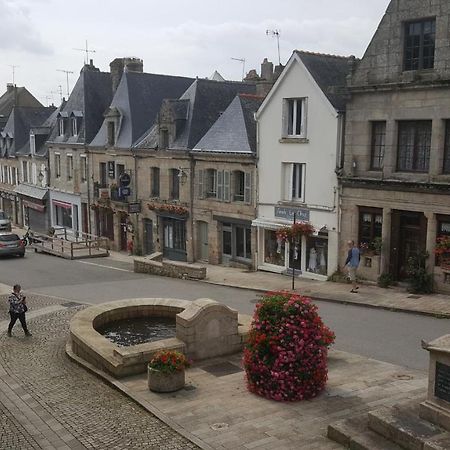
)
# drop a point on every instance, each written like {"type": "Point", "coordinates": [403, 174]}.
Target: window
{"type": "Point", "coordinates": [103, 174]}
{"type": "Point", "coordinates": [83, 168]}
{"type": "Point", "coordinates": [13, 176]}
{"type": "Point", "coordinates": [61, 126]}
{"type": "Point", "coordinates": [25, 171]}
{"type": "Point", "coordinates": [174, 191]}
{"type": "Point", "coordinates": [111, 133]}
{"type": "Point", "coordinates": [154, 180]}
{"type": "Point", "coordinates": [164, 138]}
{"type": "Point", "coordinates": [414, 143]}
{"type": "Point", "coordinates": [419, 44]}
{"type": "Point", "coordinates": [378, 145]}
{"type": "Point", "coordinates": [32, 144]}
{"type": "Point", "coordinates": [69, 162]}
{"type": "Point", "coordinates": [211, 183]}
{"type": "Point", "coordinates": [446, 168]}
{"type": "Point", "coordinates": [57, 165]}
{"type": "Point", "coordinates": [242, 186]}
{"type": "Point", "coordinates": [243, 242]}
{"type": "Point", "coordinates": [443, 231]}
{"type": "Point", "coordinates": [74, 126]}
{"type": "Point", "coordinates": [63, 216]}
{"type": "Point", "coordinates": [370, 225]}
{"type": "Point", "coordinates": [294, 117]}
{"type": "Point", "coordinates": [294, 180]}
{"type": "Point", "coordinates": [120, 169]}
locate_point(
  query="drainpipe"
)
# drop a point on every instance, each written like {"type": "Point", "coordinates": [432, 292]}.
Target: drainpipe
{"type": "Point", "coordinates": [136, 232]}
{"type": "Point", "coordinates": [88, 187]}
{"type": "Point", "coordinates": [191, 202]}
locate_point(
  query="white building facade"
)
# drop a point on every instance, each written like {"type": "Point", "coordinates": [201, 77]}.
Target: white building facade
{"type": "Point", "coordinates": [300, 139]}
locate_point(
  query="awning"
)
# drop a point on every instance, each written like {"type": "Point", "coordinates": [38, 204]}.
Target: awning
{"type": "Point", "coordinates": [31, 191]}
{"type": "Point", "coordinates": [270, 224]}
{"type": "Point", "coordinates": [35, 206]}
{"type": "Point", "coordinates": [62, 204]}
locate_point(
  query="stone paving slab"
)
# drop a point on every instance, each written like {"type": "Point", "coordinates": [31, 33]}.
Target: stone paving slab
{"type": "Point", "coordinates": [48, 402]}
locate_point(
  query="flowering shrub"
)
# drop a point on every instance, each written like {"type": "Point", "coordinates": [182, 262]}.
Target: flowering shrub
{"type": "Point", "coordinates": [296, 231]}
{"type": "Point", "coordinates": [442, 245]}
{"type": "Point", "coordinates": [169, 361]}
{"type": "Point", "coordinates": [285, 357]}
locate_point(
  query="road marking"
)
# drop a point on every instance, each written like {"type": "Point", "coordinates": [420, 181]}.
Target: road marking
{"type": "Point", "coordinates": [107, 267]}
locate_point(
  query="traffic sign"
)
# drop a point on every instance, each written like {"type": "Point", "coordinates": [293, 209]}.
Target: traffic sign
{"type": "Point", "coordinates": [125, 179]}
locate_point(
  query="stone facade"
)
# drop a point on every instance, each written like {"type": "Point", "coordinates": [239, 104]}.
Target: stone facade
{"type": "Point", "coordinates": [395, 182]}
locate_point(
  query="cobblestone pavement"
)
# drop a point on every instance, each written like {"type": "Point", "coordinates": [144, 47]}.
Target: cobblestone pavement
{"type": "Point", "coordinates": [48, 402]}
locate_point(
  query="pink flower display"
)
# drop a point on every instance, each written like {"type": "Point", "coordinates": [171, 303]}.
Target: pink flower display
{"type": "Point", "coordinates": [285, 358]}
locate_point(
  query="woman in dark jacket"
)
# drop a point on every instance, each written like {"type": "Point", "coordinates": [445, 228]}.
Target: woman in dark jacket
{"type": "Point", "coordinates": [17, 309]}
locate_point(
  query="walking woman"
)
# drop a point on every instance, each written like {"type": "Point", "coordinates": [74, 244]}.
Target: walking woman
{"type": "Point", "coordinates": [17, 309]}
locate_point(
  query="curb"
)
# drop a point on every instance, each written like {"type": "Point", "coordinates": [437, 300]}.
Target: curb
{"type": "Point", "coordinates": [440, 315]}
{"type": "Point", "coordinates": [142, 403]}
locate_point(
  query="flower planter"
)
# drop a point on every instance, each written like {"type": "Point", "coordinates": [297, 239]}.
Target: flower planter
{"type": "Point", "coordinates": [165, 382]}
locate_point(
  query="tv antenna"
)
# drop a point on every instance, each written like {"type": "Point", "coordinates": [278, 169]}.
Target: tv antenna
{"type": "Point", "coordinates": [276, 34]}
{"type": "Point", "coordinates": [87, 51]}
{"type": "Point", "coordinates": [13, 73]}
{"type": "Point", "coordinates": [59, 91]}
{"type": "Point", "coordinates": [67, 72]}
{"type": "Point", "coordinates": [241, 60]}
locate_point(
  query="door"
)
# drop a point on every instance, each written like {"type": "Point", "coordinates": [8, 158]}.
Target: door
{"type": "Point", "coordinates": [174, 239]}
{"type": "Point", "coordinates": [295, 257]}
{"type": "Point", "coordinates": [148, 236]}
{"type": "Point", "coordinates": [408, 239]}
{"type": "Point", "coordinates": [202, 240]}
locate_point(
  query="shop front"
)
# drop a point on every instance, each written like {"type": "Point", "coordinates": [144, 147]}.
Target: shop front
{"type": "Point", "coordinates": [65, 211]}
{"type": "Point", "coordinates": [309, 255]}
{"type": "Point", "coordinates": [34, 207]}
{"type": "Point", "coordinates": [174, 237]}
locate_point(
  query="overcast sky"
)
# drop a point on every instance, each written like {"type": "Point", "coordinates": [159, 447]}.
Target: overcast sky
{"type": "Point", "coordinates": [180, 37]}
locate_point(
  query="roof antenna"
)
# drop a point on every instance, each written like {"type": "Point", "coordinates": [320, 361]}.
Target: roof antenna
{"type": "Point", "coordinates": [275, 33]}
{"type": "Point", "coordinates": [59, 91]}
{"type": "Point", "coordinates": [13, 73]}
{"type": "Point", "coordinates": [241, 60]}
{"type": "Point", "coordinates": [67, 78]}
{"type": "Point", "coordinates": [87, 51]}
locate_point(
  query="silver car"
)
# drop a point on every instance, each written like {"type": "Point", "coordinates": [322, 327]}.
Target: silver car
{"type": "Point", "coordinates": [5, 222]}
{"type": "Point", "coordinates": [11, 244]}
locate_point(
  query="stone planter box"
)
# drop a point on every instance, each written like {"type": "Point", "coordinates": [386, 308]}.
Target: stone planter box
{"type": "Point", "coordinates": [165, 382]}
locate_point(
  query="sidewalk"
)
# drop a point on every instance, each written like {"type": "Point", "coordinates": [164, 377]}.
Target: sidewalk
{"type": "Point", "coordinates": [393, 299]}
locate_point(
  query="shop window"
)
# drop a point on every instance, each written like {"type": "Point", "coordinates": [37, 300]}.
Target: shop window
{"type": "Point", "coordinates": [236, 241]}
{"type": "Point", "coordinates": [370, 227]}
{"type": "Point", "coordinates": [274, 249]}
{"type": "Point", "coordinates": [442, 238]}
{"type": "Point", "coordinates": [243, 242]}
{"type": "Point", "coordinates": [63, 216]}
{"type": "Point", "coordinates": [226, 240]}
{"type": "Point", "coordinates": [446, 168]}
{"type": "Point", "coordinates": [317, 255]}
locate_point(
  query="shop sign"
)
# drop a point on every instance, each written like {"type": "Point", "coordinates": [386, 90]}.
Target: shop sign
{"type": "Point", "coordinates": [134, 207]}
{"type": "Point", "coordinates": [125, 179]}
{"type": "Point", "coordinates": [111, 169]}
{"type": "Point", "coordinates": [124, 192]}
{"type": "Point", "coordinates": [284, 212]}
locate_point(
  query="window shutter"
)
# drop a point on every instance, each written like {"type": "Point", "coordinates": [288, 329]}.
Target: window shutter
{"type": "Point", "coordinates": [226, 185]}
{"type": "Point", "coordinates": [247, 187]}
{"type": "Point", "coordinates": [284, 118]}
{"type": "Point", "coordinates": [220, 185]}
{"type": "Point", "coordinates": [200, 186]}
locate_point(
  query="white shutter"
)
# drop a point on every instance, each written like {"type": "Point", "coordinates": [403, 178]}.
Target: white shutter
{"type": "Point", "coordinates": [201, 183]}
{"type": "Point", "coordinates": [220, 185]}
{"type": "Point", "coordinates": [226, 185]}
{"type": "Point", "coordinates": [247, 187]}
{"type": "Point", "coordinates": [284, 117]}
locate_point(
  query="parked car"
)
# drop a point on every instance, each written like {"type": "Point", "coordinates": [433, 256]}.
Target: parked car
{"type": "Point", "coordinates": [5, 222]}
{"type": "Point", "coordinates": [11, 244]}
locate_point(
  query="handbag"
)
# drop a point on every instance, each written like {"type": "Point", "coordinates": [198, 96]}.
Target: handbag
{"type": "Point", "coordinates": [25, 308]}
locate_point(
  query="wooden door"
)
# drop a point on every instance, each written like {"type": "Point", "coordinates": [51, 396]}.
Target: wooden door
{"type": "Point", "coordinates": [202, 241]}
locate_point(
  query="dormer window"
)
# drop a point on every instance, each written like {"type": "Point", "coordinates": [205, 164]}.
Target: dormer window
{"type": "Point", "coordinates": [74, 126]}
{"type": "Point", "coordinates": [32, 144]}
{"type": "Point", "coordinates": [164, 138]}
{"type": "Point", "coordinates": [61, 126]}
{"type": "Point", "coordinates": [111, 133]}
{"type": "Point", "coordinates": [420, 39]}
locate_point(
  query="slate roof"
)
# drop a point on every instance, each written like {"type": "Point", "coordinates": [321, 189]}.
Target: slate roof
{"type": "Point", "coordinates": [330, 73]}
{"type": "Point", "coordinates": [235, 130]}
{"type": "Point", "coordinates": [21, 120]}
{"type": "Point", "coordinates": [18, 96]}
{"type": "Point", "coordinates": [89, 99]}
{"type": "Point", "coordinates": [138, 98]}
{"type": "Point", "coordinates": [208, 99]}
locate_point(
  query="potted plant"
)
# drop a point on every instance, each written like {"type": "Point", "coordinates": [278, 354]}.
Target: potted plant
{"type": "Point", "coordinates": [166, 371]}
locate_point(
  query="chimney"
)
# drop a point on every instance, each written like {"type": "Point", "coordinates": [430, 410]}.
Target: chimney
{"type": "Point", "coordinates": [9, 87]}
{"type": "Point", "coordinates": [267, 70]}
{"type": "Point", "coordinates": [119, 65]}
{"type": "Point", "coordinates": [277, 72]}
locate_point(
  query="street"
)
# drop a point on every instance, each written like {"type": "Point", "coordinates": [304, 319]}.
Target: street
{"type": "Point", "coordinates": [374, 333]}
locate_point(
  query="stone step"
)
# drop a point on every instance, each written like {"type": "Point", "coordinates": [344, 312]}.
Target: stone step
{"type": "Point", "coordinates": [403, 426]}
{"type": "Point", "coordinates": [353, 434]}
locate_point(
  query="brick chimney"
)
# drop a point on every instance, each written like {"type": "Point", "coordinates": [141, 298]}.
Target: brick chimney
{"type": "Point", "coordinates": [119, 65]}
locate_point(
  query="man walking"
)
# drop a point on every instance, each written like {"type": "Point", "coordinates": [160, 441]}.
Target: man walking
{"type": "Point", "coordinates": [17, 309]}
{"type": "Point", "coordinates": [352, 263]}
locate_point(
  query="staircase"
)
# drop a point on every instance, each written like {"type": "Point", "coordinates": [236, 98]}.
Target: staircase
{"type": "Point", "coordinates": [395, 428]}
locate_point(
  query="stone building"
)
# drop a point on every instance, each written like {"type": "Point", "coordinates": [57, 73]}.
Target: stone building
{"type": "Point", "coordinates": [396, 178]}
{"type": "Point", "coordinates": [300, 147]}
{"type": "Point", "coordinates": [117, 171]}
{"type": "Point", "coordinates": [169, 203]}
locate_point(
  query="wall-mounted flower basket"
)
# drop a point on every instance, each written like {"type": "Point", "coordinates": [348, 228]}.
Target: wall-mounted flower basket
{"type": "Point", "coordinates": [295, 231]}
{"type": "Point", "coordinates": [169, 208]}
